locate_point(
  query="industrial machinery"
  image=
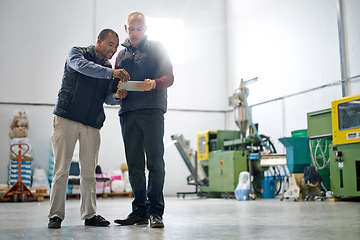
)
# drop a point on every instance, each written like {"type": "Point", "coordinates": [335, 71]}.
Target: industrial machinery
{"type": "Point", "coordinates": [319, 132]}
{"type": "Point", "coordinates": [232, 152]}
{"type": "Point", "coordinates": [197, 177]}
{"type": "Point", "coordinates": [223, 154]}
{"type": "Point", "coordinates": [332, 144]}
{"type": "Point", "coordinates": [345, 149]}
{"type": "Point", "coordinates": [222, 165]}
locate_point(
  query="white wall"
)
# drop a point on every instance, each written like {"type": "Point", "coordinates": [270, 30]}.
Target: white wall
{"type": "Point", "coordinates": [37, 35]}
{"type": "Point", "coordinates": [291, 46]}
{"type": "Point", "coordinates": [351, 10]}
{"type": "Point", "coordinates": [36, 38]}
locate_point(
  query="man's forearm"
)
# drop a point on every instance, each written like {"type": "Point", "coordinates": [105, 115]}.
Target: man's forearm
{"type": "Point", "coordinates": [77, 62]}
{"type": "Point", "coordinates": [165, 81]}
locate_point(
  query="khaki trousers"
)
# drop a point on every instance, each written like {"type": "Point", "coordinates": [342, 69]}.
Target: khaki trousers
{"type": "Point", "coordinates": [65, 135]}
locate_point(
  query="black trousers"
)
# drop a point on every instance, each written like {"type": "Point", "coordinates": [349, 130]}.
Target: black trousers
{"type": "Point", "coordinates": [143, 133]}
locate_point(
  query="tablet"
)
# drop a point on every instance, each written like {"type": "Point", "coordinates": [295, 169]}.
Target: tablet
{"type": "Point", "coordinates": [130, 86]}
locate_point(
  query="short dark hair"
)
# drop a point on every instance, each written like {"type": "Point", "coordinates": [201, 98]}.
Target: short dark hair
{"type": "Point", "coordinates": [104, 33]}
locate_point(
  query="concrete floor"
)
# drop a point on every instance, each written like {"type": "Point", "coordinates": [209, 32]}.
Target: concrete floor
{"type": "Point", "coordinates": [193, 218]}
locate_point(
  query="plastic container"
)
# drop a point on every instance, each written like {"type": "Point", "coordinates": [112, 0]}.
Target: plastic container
{"type": "Point", "coordinates": [267, 188]}
{"type": "Point", "coordinates": [242, 194]}
{"type": "Point", "coordinates": [299, 133]}
{"type": "Point", "coordinates": [297, 151]}
{"type": "Point", "coordinates": [243, 187]}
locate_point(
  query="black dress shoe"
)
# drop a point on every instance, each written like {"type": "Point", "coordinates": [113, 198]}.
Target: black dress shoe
{"type": "Point", "coordinates": [97, 221]}
{"type": "Point", "coordinates": [54, 222]}
{"type": "Point", "coordinates": [156, 221]}
{"type": "Point", "coordinates": [131, 220]}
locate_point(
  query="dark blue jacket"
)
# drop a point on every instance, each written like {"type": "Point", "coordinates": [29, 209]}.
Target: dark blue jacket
{"type": "Point", "coordinates": [147, 60]}
{"type": "Point", "coordinates": [81, 97]}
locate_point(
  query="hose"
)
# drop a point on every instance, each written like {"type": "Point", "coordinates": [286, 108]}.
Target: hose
{"type": "Point", "coordinates": [314, 158]}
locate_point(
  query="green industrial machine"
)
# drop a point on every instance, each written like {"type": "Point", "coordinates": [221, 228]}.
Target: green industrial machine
{"type": "Point", "coordinates": [345, 150]}
{"type": "Point", "coordinates": [212, 158]}
{"type": "Point", "coordinates": [224, 170]}
{"type": "Point", "coordinates": [345, 170]}
{"type": "Point", "coordinates": [222, 155]}
{"type": "Point", "coordinates": [213, 141]}
{"type": "Point", "coordinates": [335, 145]}
{"type": "Point", "coordinates": [319, 132]}
{"type": "Point", "coordinates": [228, 156]}
{"type": "Point", "coordinates": [225, 154]}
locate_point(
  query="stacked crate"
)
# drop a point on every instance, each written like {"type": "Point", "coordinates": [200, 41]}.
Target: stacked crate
{"type": "Point", "coordinates": [14, 172]}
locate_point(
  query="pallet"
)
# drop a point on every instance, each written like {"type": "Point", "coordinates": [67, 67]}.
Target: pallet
{"type": "Point", "coordinates": [39, 194]}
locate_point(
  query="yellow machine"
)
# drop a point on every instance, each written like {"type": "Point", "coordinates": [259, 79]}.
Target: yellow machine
{"type": "Point", "coordinates": [345, 114]}
{"type": "Point", "coordinates": [345, 150]}
{"type": "Point", "coordinates": [203, 144]}
{"type": "Point", "coordinates": [213, 140]}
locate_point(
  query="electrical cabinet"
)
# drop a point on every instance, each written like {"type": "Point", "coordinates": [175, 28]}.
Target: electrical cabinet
{"type": "Point", "coordinates": [224, 169]}
{"type": "Point", "coordinates": [345, 169]}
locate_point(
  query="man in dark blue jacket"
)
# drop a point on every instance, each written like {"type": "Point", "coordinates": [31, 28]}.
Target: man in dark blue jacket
{"type": "Point", "coordinates": [79, 115]}
{"type": "Point", "coordinates": [142, 120]}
